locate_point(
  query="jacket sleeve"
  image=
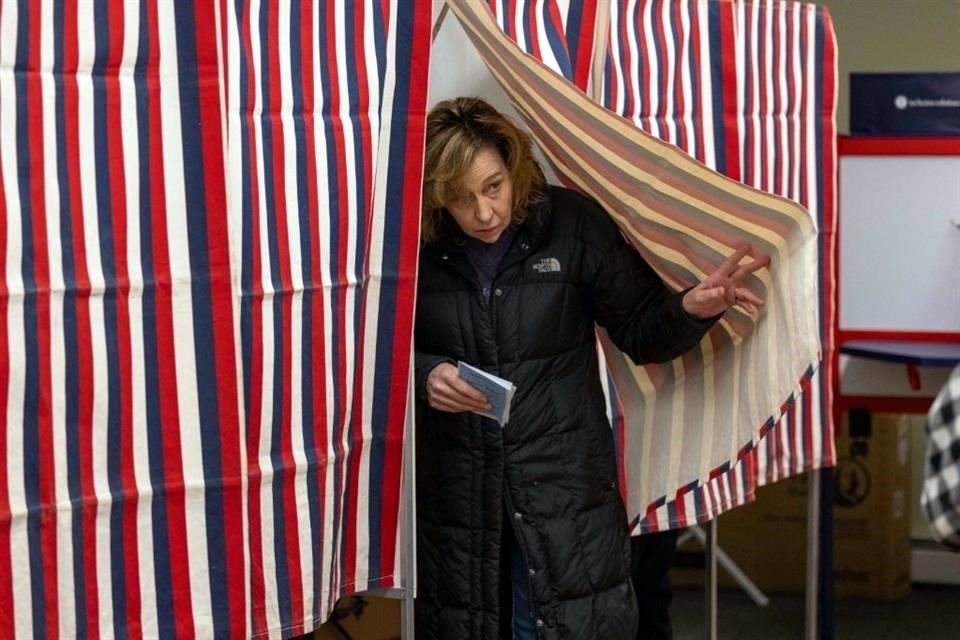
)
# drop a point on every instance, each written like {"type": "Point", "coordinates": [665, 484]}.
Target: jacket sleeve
{"type": "Point", "coordinates": [643, 317]}
{"type": "Point", "coordinates": [423, 364]}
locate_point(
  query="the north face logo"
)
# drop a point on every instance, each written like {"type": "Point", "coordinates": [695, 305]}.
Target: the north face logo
{"type": "Point", "coordinates": [547, 265]}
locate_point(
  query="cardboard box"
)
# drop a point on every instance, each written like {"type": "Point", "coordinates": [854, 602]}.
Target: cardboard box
{"type": "Point", "coordinates": [363, 617]}
{"type": "Point", "coordinates": [767, 539]}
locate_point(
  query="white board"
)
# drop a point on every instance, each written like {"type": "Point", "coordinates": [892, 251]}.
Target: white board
{"type": "Point", "coordinates": [899, 246]}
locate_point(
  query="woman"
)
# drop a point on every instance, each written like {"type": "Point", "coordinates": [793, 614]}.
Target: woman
{"type": "Point", "coordinates": [521, 529]}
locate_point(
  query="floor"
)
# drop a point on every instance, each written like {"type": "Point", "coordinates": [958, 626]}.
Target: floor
{"type": "Point", "coordinates": [927, 613]}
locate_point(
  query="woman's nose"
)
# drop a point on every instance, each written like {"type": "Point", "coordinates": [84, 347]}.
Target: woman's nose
{"type": "Point", "coordinates": [484, 211]}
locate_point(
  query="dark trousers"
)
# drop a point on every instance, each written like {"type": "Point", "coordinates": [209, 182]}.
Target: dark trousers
{"type": "Point", "coordinates": [651, 557]}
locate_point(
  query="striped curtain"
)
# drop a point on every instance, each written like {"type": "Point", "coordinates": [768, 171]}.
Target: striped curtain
{"type": "Point", "coordinates": [208, 236]}
{"type": "Point", "coordinates": [685, 72]}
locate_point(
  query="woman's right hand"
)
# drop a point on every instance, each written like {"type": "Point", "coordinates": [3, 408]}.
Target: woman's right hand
{"type": "Point", "coordinates": [446, 391]}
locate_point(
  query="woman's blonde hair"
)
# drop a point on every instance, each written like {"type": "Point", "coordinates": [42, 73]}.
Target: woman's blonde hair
{"type": "Point", "coordinates": [456, 130]}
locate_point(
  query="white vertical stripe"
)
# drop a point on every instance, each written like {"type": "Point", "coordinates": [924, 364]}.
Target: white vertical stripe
{"type": "Point", "coordinates": [19, 542]}
{"type": "Point", "coordinates": [783, 91]}
{"type": "Point", "coordinates": [325, 478]}
{"type": "Point", "coordinates": [547, 55]}
{"type": "Point", "coordinates": [615, 56]}
{"type": "Point", "coordinates": [129, 130]}
{"type": "Point", "coordinates": [811, 112]}
{"type": "Point", "coordinates": [234, 177]}
{"type": "Point", "coordinates": [741, 108]}
{"type": "Point", "coordinates": [182, 305]}
{"type": "Point", "coordinates": [705, 82]}
{"type": "Point", "coordinates": [350, 275]}
{"type": "Point", "coordinates": [668, 67]}
{"type": "Point", "coordinates": [686, 120]}
{"type": "Point", "coordinates": [65, 582]}
{"type": "Point", "coordinates": [294, 373]}
{"type": "Point", "coordinates": [768, 119]}
{"type": "Point", "coordinates": [86, 45]}
{"type": "Point", "coordinates": [265, 309]}
{"type": "Point", "coordinates": [653, 65]}
{"type": "Point", "coordinates": [796, 67]}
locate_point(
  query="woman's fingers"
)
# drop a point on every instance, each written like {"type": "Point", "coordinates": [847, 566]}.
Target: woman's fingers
{"type": "Point", "coordinates": [446, 391]}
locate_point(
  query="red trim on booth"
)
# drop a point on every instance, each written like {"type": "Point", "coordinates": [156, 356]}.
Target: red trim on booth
{"type": "Point", "coordinates": [871, 146]}
{"type": "Point", "coordinates": [885, 404]}
{"type": "Point", "coordinates": [849, 335]}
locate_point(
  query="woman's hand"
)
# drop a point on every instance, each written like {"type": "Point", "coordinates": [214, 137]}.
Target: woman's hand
{"type": "Point", "coordinates": [722, 289]}
{"type": "Point", "coordinates": [446, 391]}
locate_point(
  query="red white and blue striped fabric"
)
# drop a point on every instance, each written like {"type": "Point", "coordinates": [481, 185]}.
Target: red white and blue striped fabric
{"type": "Point", "coordinates": [559, 33]}
{"type": "Point", "coordinates": [749, 89]}
{"type": "Point", "coordinates": [208, 238]}
{"type": "Point", "coordinates": [699, 74]}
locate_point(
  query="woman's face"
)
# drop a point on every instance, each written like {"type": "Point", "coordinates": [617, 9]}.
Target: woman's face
{"type": "Point", "coordinates": [484, 208]}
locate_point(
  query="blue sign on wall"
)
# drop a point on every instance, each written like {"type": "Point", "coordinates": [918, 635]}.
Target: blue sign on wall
{"type": "Point", "coordinates": [916, 104]}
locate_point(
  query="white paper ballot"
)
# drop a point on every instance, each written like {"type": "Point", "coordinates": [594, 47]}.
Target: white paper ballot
{"type": "Point", "coordinates": [499, 392]}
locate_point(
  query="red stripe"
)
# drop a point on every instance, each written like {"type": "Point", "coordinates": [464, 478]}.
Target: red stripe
{"type": "Point", "coordinates": [534, 45]}
{"type": "Point", "coordinates": [84, 331]}
{"type": "Point", "coordinates": [406, 270]}
{"type": "Point", "coordinates": [179, 564]}
{"type": "Point", "coordinates": [258, 603]}
{"type": "Point", "coordinates": [339, 305]}
{"type": "Point", "coordinates": [588, 26]}
{"type": "Point", "coordinates": [6, 568]}
{"type": "Point", "coordinates": [118, 208]}
{"type": "Point", "coordinates": [221, 298]}
{"type": "Point", "coordinates": [885, 404]}
{"type": "Point", "coordinates": [41, 272]}
{"type": "Point", "coordinates": [291, 525]}
{"type": "Point", "coordinates": [316, 299]}
{"type": "Point", "coordinates": [949, 337]}
{"type": "Point", "coordinates": [728, 59]}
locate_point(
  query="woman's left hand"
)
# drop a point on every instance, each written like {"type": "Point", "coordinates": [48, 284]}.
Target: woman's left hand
{"type": "Point", "coordinates": [723, 288]}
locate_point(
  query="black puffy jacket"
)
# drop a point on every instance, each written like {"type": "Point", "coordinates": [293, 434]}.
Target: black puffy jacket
{"type": "Point", "coordinates": [552, 467]}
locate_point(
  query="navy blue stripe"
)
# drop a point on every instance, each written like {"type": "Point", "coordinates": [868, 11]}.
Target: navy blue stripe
{"type": "Point", "coordinates": [556, 40]}
{"type": "Point", "coordinates": [677, 115]}
{"type": "Point", "coordinates": [718, 54]}
{"type": "Point", "coordinates": [248, 301]}
{"type": "Point", "coordinates": [390, 285]}
{"type": "Point", "coordinates": [70, 335]}
{"type": "Point", "coordinates": [333, 188]}
{"type": "Point", "coordinates": [312, 291]}
{"type": "Point", "coordinates": [247, 222]}
{"type": "Point", "coordinates": [749, 88]}
{"type": "Point", "coordinates": [818, 104]}
{"type": "Point", "coordinates": [31, 400]}
{"type": "Point", "coordinates": [380, 35]}
{"type": "Point", "coordinates": [163, 577]}
{"type": "Point", "coordinates": [279, 365]}
{"type": "Point", "coordinates": [196, 215]}
{"type": "Point", "coordinates": [699, 124]}
{"type": "Point", "coordinates": [361, 206]}
{"type": "Point", "coordinates": [574, 24]}
{"type": "Point", "coordinates": [102, 134]}
{"type": "Point", "coordinates": [524, 11]}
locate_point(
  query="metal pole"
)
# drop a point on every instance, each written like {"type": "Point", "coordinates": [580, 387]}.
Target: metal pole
{"type": "Point", "coordinates": [710, 558]}
{"type": "Point", "coordinates": [813, 554]}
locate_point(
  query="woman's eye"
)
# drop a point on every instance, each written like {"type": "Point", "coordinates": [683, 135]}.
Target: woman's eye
{"type": "Point", "coordinates": [494, 187]}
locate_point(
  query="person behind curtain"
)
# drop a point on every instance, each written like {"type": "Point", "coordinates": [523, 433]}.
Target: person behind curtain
{"type": "Point", "coordinates": [521, 529]}
{"type": "Point", "coordinates": [940, 497]}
